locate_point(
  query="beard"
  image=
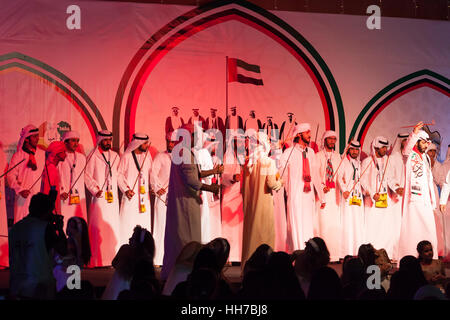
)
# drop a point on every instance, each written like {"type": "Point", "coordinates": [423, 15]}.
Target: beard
{"type": "Point", "coordinates": [307, 141]}
{"type": "Point", "coordinates": [105, 147]}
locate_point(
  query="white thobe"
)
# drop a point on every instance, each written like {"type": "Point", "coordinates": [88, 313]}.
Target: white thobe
{"type": "Point", "coordinates": [300, 204]}
{"type": "Point", "coordinates": [209, 213]}
{"type": "Point", "coordinates": [397, 162]}
{"type": "Point", "coordinates": [137, 210]}
{"type": "Point", "coordinates": [329, 218]}
{"type": "Point", "coordinates": [4, 249]}
{"type": "Point", "coordinates": [381, 224]}
{"type": "Point", "coordinates": [24, 178]}
{"type": "Point", "coordinates": [159, 179]}
{"type": "Point", "coordinates": [104, 231]}
{"type": "Point", "coordinates": [352, 215]}
{"type": "Point", "coordinates": [232, 210]}
{"type": "Point", "coordinates": [70, 170]}
{"type": "Point", "coordinates": [418, 221]}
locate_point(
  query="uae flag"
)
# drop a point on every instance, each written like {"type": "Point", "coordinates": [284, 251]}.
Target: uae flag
{"type": "Point", "coordinates": [243, 72]}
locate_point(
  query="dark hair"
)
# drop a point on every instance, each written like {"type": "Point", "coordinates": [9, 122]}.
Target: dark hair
{"type": "Point", "coordinates": [421, 246]}
{"type": "Point", "coordinates": [325, 285]}
{"type": "Point", "coordinates": [316, 249]}
{"type": "Point", "coordinates": [259, 258]}
{"type": "Point", "coordinates": [85, 243]}
{"type": "Point", "coordinates": [40, 205]}
{"type": "Point", "coordinates": [366, 253]}
{"type": "Point", "coordinates": [145, 246]}
{"type": "Point", "coordinates": [221, 249]}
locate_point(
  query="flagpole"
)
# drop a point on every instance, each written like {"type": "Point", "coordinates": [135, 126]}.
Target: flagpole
{"type": "Point", "coordinates": [226, 87]}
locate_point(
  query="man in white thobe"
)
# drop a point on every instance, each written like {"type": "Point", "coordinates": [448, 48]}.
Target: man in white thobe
{"type": "Point", "coordinates": [159, 180]}
{"type": "Point", "coordinates": [101, 181]}
{"type": "Point", "coordinates": [438, 217]}
{"type": "Point", "coordinates": [133, 178]}
{"type": "Point", "coordinates": [210, 208]}
{"type": "Point", "coordinates": [71, 172]}
{"type": "Point", "coordinates": [352, 205]}
{"type": "Point", "coordinates": [25, 178]}
{"type": "Point", "coordinates": [397, 161]}
{"type": "Point", "coordinates": [381, 222]}
{"type": "Point", "coordinates": [301, 175]}
{"type": "Point", "coordinates": [329, 218]}
{"type": "Point", "coordinates": [418, 221]}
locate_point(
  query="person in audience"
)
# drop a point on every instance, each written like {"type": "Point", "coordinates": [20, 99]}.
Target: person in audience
{"type": "Point", "coordinates": [407, 280]}
{"type": "Point", "coordinates": [183, 266]}
{"type": "Point", "coordinates": [315, 256]}
{"type": "Point", "coordinates": [78, 251]}
{"type": "Point", "coordinates": [254, 273]}
{"type": "Point", "coordinates": [433, 269]}
{"type": "Point", "coordinates": [325, 285]}
{"type": "Point", "coordinates": [144, 285]}
{"type": "Point", "coordinates": [33, 241]}
{"type": "Point", "coordinates": [281, 280]}
{"type": "Point", "coordinates": [370, 256]}
{"type": "Point", "coordinates": [353, 278]}
{"type": "Point", "coordinates": [141, 246]}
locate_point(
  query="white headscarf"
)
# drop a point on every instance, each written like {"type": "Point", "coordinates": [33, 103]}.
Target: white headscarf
{"type": "Point", "coordinates": [422, 135]}
{"type": "Point", "coordinates": [138, 139]}
{"type": "Point", "coordinates": [104, 134]}
{"type": "Point", "coordinates": [260, 148]}
{"type": "Point", "coordinates": [398, 143]}
{"type": "Point", "coordinates": [378, 142]}
{"type": "Point", "coordinates": [70, 135]}
{"type": "Point", "coordinates": [302, 127]}
{"type": "Point", "coordinates": [26, 132]}
{"type": "Point", "coordinates": [355, 144]}
{"type": "Point", "coordinates": [327, 134]}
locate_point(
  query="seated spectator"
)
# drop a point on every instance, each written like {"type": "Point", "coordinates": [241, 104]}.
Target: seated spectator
{"type": "Point", "coordinates": [183, 266]}
{"type": "Point", "coordinates": [433, 269]}
{"type": "Point", "coordinates": [78, 251]}
{"type": "Point", "coordinates": [281, 280]}
{"type": "Point", "coordinates": [254, 275]}
{"type": "Point", "coordinates": [353, 278]}
{"type": "Point", "coordinates": [370, 256]}
{"type": "Point", "coordinates": [407, 280]}
{"type": "Point", "coordinates": [205, 265]}
{"type": "Point", "coordinates": [33, 241]}
{"type": "Point", "coordinates": [221, 249]}
{"type": "Point", "coordinates": [141, 247]}
{"type": "Point", "coordinates": [144, 285]}
{"type": "Point", "coordinates": [325, 285]}
{"type": "Point", "coordinates": [315, 256]}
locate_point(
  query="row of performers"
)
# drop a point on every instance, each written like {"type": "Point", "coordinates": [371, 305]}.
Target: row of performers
{"type": "Point", "coordinates": [232, 122]}
{"type": "Point", "coordinates": [344, 200]}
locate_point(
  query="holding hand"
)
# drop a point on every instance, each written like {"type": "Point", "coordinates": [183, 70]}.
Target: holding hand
{"type": "Point", "coordinates": [64, 196]}
{"type": "Point", "coordinates": [99, 194]}
{"type": "Point", "coordinates": [218, 169]}
{"type": "Point", "coordinates": [24, 193]}
{"type": "Point", "coordinates": [442, 207]}
{"type": "Point", "coordinates": [129, 194]}
{"type": "Point", "coordinates": [376, 196]}
{"type": "Point", "coordinates": [346, 194]}
{"type": "Point", "coordinates": [418, 127]}
{"type": "Point", "coordinates": [326, 190]}
{"type": "Point", "coordinates": [160, 192]}
{"type": "Point", "coordinates": [400, 191]}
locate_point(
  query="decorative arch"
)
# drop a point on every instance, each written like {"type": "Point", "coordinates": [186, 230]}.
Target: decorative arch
{"type": "Point", "coordinates": [205, 16]}
{"type": "Point", "coordinates": [398, 88]}
{"type": "Point", "coordinates": [61, 83]}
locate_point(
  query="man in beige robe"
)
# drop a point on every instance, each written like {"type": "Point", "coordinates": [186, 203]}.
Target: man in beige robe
{"type": "Point", "coordinates": [259, 179]}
